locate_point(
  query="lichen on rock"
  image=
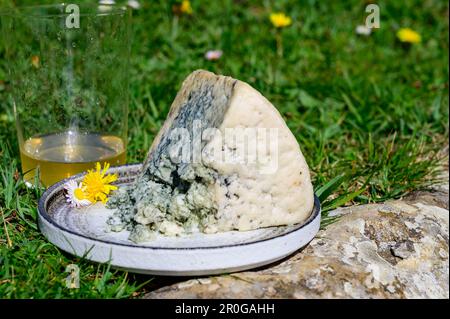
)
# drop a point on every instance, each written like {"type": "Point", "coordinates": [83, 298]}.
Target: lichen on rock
{"type": "Point", "coordinates": [398, 249]}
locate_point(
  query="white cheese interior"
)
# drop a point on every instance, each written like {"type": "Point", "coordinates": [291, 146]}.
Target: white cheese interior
{"type": "Point", "coordinates": [257, 197]}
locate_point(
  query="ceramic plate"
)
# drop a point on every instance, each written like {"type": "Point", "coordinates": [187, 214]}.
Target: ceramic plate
{"type": "Point", "coordinates": [82, 233]}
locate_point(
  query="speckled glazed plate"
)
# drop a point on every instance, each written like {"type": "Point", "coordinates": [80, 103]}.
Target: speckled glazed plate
{"type": "Point", "coordinates": [82, 233]}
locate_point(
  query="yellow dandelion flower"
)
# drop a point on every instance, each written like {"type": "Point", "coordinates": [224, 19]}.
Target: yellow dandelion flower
{"type": "Point", "coordinates": [186, 7]}
{"type": "Point", "coordinates": [35, 61]}
{"type": "Point", "coordinates": [96, 184]}
{"type": "Point", "coordinates": [280, 20]}
{"type": "Point", "coordinates": [408, 35]}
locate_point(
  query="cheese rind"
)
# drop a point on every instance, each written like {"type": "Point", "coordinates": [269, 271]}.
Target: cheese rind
{"type": "Point", "coordinates": [246, 178]}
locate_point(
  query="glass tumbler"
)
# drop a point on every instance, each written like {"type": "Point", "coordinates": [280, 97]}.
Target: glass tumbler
{"type": "Point", "coordinates": [68, 72]}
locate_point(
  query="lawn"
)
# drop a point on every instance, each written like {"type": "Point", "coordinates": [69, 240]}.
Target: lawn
{"type": "Point", "coordinates": [369, 112]}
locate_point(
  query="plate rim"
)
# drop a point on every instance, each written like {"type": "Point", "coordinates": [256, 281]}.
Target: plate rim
{"type": "Point", "coordinates": [42, 213]}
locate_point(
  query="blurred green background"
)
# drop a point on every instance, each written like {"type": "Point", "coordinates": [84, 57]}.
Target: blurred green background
{"type": "Point", "coordinates": [370, 112]}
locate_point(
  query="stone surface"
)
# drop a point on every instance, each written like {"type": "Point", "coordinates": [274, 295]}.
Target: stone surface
{"type": "Point", "coordinates": [398, 249]}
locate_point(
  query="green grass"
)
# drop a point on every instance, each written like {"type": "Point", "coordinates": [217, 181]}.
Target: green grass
{"type": "Point", "coordinates": [369, 113]}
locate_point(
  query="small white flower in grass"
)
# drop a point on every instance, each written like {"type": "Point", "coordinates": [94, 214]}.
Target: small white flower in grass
{"type": "Point", "coordinates": [75, 195]}
{"type": "Point", "coordinates": [213, 55]}
{"type": "Point", "coordinates": [105, 5]}
{"type": "Point", "coordinates": [134, 4]}
{"type": "Point", "coordinates": [363, 30]}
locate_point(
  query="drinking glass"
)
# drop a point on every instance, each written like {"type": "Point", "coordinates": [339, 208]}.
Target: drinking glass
{"type": "Point", "coordinates": [68, 72]}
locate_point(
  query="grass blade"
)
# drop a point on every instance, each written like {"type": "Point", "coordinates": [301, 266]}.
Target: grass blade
{"type": "Point", "coordinates": [324, 191]}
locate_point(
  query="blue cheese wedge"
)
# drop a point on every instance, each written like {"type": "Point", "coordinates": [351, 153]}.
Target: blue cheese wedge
{"type": "Point", "coordinates": [223, 160]}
